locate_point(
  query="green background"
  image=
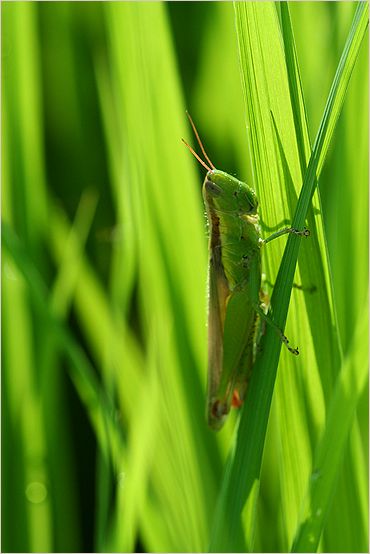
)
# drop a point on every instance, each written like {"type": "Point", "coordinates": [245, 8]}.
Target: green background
{"type": "Point", "coordinates": [104, 440]}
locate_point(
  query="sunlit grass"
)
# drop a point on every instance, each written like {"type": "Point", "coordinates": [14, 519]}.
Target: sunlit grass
{"type": "Point", "coordinates": [105, 444]}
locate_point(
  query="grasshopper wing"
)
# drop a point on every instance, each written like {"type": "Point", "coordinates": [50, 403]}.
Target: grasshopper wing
{"type": "Point", "coordinates": [231, 331]}
{"type": "Point", "coordinates": [219, 294]}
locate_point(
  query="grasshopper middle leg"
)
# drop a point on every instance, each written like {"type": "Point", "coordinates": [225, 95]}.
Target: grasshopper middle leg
{"type": "Point", "coordinates": [304, 233]}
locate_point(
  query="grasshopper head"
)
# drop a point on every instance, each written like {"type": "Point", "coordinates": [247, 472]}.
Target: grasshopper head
{"type": "Point", "coordinates": [228, 194]}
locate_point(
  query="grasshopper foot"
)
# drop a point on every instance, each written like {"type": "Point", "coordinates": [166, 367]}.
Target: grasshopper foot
{"type": "Point", "coordinates": [285, 340]}
{"type": "Point", "coordinates": [304, 233]}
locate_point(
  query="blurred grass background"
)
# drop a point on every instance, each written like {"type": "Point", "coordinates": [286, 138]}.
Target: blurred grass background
{"type": "Point", "coordinates": [104, 442]}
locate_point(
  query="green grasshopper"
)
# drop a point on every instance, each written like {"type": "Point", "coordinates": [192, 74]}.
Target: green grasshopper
{"type": "Point", "coordinates": [235, 311]}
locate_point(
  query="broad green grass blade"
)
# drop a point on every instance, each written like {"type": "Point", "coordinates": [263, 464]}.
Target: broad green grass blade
{"type": "Point", "coordinates": [160, 213]}
{"type": "Point", "coordinates": [247, 457]}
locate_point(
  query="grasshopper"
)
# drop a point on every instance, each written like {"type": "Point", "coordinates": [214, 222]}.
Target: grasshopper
{"type": "Point", "coordinates": [235, 311]}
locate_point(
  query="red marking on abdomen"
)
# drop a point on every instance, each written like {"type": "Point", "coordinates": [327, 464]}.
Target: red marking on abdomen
{"type": "Point", "coordinates": [236, 402]}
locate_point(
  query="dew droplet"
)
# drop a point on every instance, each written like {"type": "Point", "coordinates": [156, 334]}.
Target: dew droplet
{"type": "Point", "coordinates": [36, 492]}
{"type": "Point", "coordinates": [121, 477]}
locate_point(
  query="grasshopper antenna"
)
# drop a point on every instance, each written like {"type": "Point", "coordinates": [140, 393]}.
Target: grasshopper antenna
{"type": "Point", "coordinates": [196, 155]}
{"type": "Point", "coordinates": [199, 141]}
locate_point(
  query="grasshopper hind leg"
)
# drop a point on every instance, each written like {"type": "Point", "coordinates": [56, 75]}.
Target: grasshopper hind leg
{"type": "Point", "coordinates": [262, 310]}
{"type": "Point", "coordinates": [272, 324]}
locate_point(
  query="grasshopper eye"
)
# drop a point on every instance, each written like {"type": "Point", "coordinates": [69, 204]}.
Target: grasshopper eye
{"type": "Point", "coordinates": [213, 189]}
